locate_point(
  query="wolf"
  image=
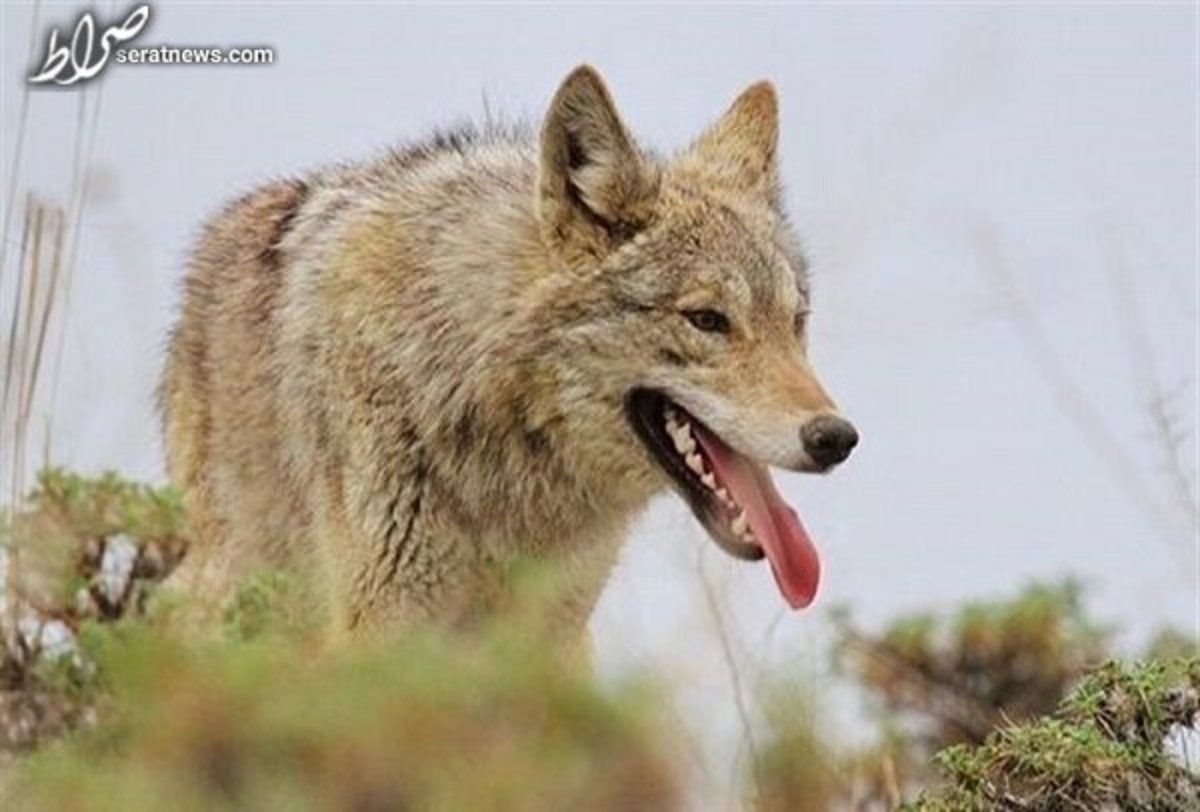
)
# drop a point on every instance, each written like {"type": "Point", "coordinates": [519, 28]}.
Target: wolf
{"type": "Point", "coordinates": [394, 378]}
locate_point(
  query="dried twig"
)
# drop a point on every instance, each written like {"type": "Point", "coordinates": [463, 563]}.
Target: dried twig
{"type": "Point", "coordinates": [731, 665]}
{"type": "Point", "coordinates": [1049, 362]}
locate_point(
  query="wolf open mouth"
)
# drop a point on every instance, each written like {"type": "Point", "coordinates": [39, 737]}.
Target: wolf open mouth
{"type": "Point", "coordinates": [732, 495]}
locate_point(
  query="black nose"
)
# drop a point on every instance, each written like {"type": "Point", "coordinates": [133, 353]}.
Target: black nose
{"type": "Point", "coordinates": [828, 440]}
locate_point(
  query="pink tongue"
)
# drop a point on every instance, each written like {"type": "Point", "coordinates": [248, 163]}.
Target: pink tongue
{"type": "Point", "coordinates": [775, 525]}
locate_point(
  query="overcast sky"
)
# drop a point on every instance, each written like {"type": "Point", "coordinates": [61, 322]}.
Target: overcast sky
{"type": "Point", "coordinates": [999, 204]}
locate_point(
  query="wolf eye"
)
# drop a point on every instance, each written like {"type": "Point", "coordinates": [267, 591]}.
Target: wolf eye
{"type": "Point", "coordinates": [710, 321]}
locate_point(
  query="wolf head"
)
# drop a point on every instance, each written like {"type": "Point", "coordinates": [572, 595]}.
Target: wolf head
{"type": "Point", "coordinates": [687, 303]}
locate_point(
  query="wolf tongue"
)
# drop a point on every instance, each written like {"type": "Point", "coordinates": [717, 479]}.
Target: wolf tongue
{"type": "Point", "coordinates": [776, 526]}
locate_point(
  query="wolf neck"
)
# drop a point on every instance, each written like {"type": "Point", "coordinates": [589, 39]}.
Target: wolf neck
{"type": "Point", "coordinates": [467, 291]}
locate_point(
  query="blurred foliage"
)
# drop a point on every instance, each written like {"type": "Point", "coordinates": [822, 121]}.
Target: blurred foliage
{"type": "Point", "coordinates": [957, 678]}
{"type": "Point", "coordinates": [796, 768]}
{"type": "Point", "coordinates": [107, 505]}
{"type": "Point", "coordinates": [268, 605]}
{"type": "Point", "coordinates": [801, 768]}
{"type": "Point", "coordinates": [77, 550]}
{"type": "Point", "coordinates": [431, 721]}
{"type": "Point", "coordinates": [999, 705]}
{"type": "Point", "coordinates": [262, 714]}
{"type": "Point", "coordinates": [1172, 644]}
{"type": "Point", "coordinates": [85, 548]}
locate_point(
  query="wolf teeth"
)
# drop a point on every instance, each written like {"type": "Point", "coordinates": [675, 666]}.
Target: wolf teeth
{"type": "Point", "coordinates": [684, 442]}
{"type": "Point", "coordinates": [741, 527]}
{"type": "Point", "coordinates": [681, 433]}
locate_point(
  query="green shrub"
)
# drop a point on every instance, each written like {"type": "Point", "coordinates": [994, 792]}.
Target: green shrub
{"type": "Point", "coordinates": [431, 721]}
{"type": "Point", "coordinates": [1107, 747]}
{"type": "Point", "coordinates": [77, 550]}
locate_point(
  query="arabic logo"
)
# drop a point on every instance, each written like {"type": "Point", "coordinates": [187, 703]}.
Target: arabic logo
{"type": "Point", "coordinates": [88, 53]}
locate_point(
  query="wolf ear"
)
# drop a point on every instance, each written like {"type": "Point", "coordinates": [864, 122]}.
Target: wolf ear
{"type": "Point", "coordinates": [594, 187]}
{"type": "Point", "coordinates": [740, 148]}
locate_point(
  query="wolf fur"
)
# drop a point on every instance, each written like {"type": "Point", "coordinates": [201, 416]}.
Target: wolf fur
{"type": "Point", "coordinates": [393, 378]}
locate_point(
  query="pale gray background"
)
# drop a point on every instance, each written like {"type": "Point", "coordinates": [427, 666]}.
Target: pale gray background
{"type": "Point", "coordinates": [1000, 206]}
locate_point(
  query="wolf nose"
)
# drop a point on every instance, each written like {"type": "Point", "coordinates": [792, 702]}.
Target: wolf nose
{"type": "Point", "coordinates": [828, 440]}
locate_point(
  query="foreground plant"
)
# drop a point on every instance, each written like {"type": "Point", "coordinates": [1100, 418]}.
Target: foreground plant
{"type": "Point", "coordinates": [956, 678]}
{"type": "Point", "coordinates": [115, 704]}
{"type": "Point", "coordinates": [77, 550]}
{"type": "Point", "coordinates": [1115, 743]}
{"type": "Point", "coordinates": [129, 711]}
{"type": "Point", "coordinates": [427, 722]}
{"type": "Point", "coordinates": [997, 705]}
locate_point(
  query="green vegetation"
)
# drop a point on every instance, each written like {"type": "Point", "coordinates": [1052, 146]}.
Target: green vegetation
{"type": "Point", "coordinates": [1000, 705]}
{"type": "Point", "coordinates": [955, 679]}
{"type": "Point", "coordinates": [262, 716]}
{"type": "Point", "coordinates": [78, 550]}
{"type": "Point", "coordinates": [1105, 748]}
{"type": "Point", "coordinates": [60, 539]}
{"type": "Point", "coordinates": [424, 723]}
